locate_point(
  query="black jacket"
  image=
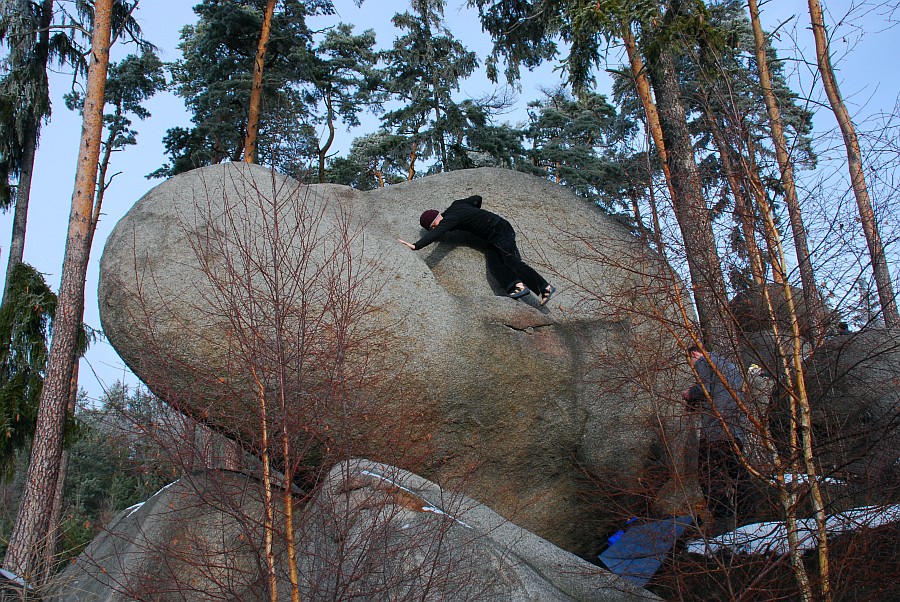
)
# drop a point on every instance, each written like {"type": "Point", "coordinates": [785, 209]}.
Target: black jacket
{"type": "Point", "coordinates": [467, 215]}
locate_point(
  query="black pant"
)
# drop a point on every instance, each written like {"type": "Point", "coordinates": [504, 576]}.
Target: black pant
{"type": "Point", "coordinates": [723, 479]}
{"type": "Point", "coordinates": [506, 265]}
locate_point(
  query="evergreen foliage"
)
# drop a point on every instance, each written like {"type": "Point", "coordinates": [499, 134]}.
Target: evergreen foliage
{"type": "Point", "coordinates": [25, 322]}
{"type": "Point", "coordinates": [215, 77]}
{"type": "Point", "coordinates": [374, 160]}
{"type": "Point", "coordinates": [577, 141]}
{"type": "Point", "coordinates": [424, 67]}
{"type": "Point", "coordinates": [114, 463]}
{"type": "Point", "coordinates": [24, 90]}
{"type": "Point", "coordinates": [344, 82]}
{"type": "Point", "coordinates": [129, 83]}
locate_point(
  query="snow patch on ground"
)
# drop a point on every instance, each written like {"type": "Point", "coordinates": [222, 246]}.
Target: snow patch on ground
{"type": "Point", "coordinates": [771, 537]}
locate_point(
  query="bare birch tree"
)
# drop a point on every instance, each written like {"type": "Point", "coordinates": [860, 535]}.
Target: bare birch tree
{"type": "Point", "coordinates": [854, 163]}
{"type": "Point", "coordinates": [785, 165]}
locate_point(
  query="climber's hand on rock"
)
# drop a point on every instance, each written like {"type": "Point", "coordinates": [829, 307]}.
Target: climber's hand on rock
{"type": "Point", "coordinates": [410, 245]}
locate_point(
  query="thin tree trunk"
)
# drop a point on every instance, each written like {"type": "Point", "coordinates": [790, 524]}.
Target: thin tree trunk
{"type": "Point", "coordinates": [690, 209]}
{"type": "Point", "coordinates": [102, 184]}
{"type": "Point", "coordinates": [23, 196]}
{"type": "Point", "coordinates": [741, 206]}
{"type": "Point", "coordinates": [757, 189]}
{"type": "Point", "coordinates": [23, 556]}
{"type": "Point", "coordinates": [323, 152]}
{"type": "Point", "coordinates": [814, 309]}
{"type": "Point", "coordinates": [26, 169]}
{"type": "Point", "coordinates": [642, 85]}
{"type": "Point", "coordinates": [800, 436]}
{"type": "Point", "coordinates": [250, 142]}
{"type": "Point", "coordinates": [269, 526]}
{"type": "Point", "coordinates": [411, 173]}
{"type": "Point", "coordinates": [289, 501]}
{"type": "Point", "coordinates": [857, 176]}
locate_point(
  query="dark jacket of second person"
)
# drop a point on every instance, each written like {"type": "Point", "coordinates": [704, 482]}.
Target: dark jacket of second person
{"type": "Point", "coordinates": [723, 403]}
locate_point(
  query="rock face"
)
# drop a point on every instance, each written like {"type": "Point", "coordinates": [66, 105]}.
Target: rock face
{"type": "Point", "coordinates": [854, 388]}
{"type": "Point", "coordinates": [196, 539]}
{"type": "Point", "coordinates": [229, 283]}
{"type": "Point", "coordinates": [373, 533]}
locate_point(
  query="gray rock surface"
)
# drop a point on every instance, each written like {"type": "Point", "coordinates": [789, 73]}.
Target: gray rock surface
{"type": "Point", "coordinates": [402, 534]}
{"type": "Point", "coordinates": [539, 412]}
{"type": "Point", "coordinates": [854, 390]}
{"type": "Point", "coordinates": [196, 539]}
{"type": "Point", "coordinates": [373, 532]}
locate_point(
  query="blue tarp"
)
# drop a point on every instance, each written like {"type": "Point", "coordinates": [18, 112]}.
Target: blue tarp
{"type": "Point", "coordinates": [638, 552]}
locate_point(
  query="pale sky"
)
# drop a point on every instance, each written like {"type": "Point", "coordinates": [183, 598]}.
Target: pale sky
{"type": "Point", "coordinates": [868, 76]}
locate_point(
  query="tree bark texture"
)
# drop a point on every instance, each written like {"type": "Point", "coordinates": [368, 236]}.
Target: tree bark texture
{"type": "Point", "coordinates": [642, 85]}
{"type": "Point", "coordinates": [25, 551]}
{"type": "Point", "coordinates": [250, 142]}
{"type": "Point", "coordinates": [854, 162]}
{"type": "Point", "coordinates": [811, 296]}
{"type": "Point", "coordinates": [53, 537]}
{"type": "Point", "coordinates": [691, 211]}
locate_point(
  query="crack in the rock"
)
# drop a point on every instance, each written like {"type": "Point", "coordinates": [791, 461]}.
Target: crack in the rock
{"type": "Point", "coordinates": [527, 329]}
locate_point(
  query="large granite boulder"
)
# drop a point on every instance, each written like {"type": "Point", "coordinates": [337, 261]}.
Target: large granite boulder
{"type": "Point", "coordinates": [751, 312]}
{"type": "Point", "coordinates": [373, 532]}
{"type": "Point", "coordinates": [853, 381]}
{"type": "Point", "coordinates": [231, 284]}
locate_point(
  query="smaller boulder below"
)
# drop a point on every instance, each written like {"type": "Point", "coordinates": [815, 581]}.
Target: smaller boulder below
{"type": "Point", "coordinates": [402, 534]}
{"type": "Point", "coordinates": [198, 538]}
{"type": "Point", "coordinates": [751, 312]}
{"type": "Point", "coordinates": [373, 532]}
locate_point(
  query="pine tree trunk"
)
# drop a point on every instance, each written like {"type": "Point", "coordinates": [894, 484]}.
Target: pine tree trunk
{"type": "Point", "coordinates": [250, 142]}
{"type": "Point", "coordinates": [53, 537]}
{"type": "Point", "coordinates": [642, 85]}
{"type": "Point", "coordinates": [323, 151]}
{"type": "Point", "coordinates": [25, 551]}
{"type": "Point", "coordinates": [814, 311]}
{"type": "Point", "coordinates": [411, 172]}
{"type": "Point", "coordinates": [690, 207]}
{"type": "Point", "coordinates": [857, 176]}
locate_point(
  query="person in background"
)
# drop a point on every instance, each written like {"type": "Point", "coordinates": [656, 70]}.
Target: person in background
{"type": "Point", "coordinates": [722, 475]}
{"type": "Point", "coordinates": [503, 259]}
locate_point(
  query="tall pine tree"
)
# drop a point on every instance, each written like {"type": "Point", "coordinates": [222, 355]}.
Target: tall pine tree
{"type": "Point", "coordinates": [424, 67]}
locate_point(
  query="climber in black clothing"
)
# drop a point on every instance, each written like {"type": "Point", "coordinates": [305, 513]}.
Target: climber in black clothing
{"type": "Point", "coordinates": [503, 259]}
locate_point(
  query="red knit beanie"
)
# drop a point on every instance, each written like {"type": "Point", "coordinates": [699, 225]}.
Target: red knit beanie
{"type": "Point", "coordinates": [427, 217]}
